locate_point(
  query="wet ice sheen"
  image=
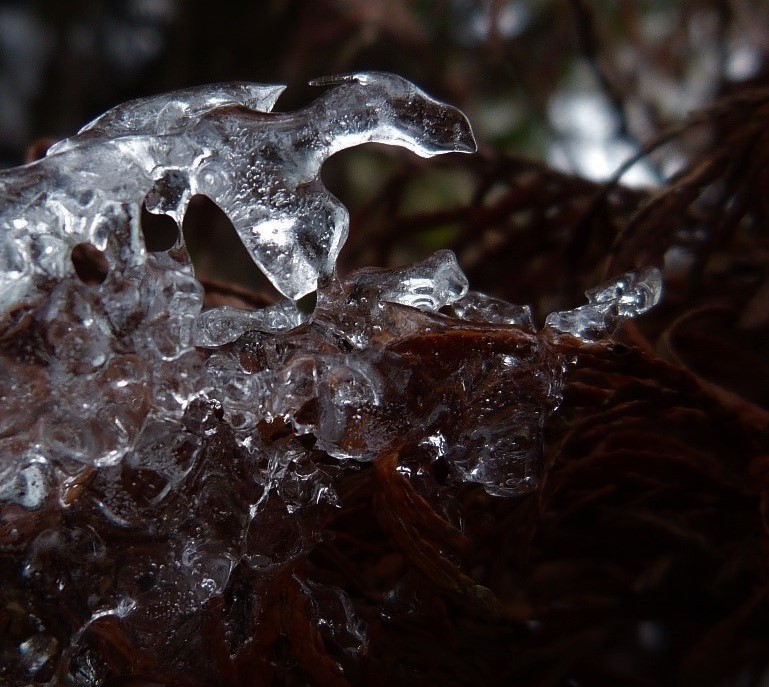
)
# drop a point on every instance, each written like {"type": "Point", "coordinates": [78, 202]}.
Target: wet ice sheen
{"type": "Point", "coordinates": [124, 407]}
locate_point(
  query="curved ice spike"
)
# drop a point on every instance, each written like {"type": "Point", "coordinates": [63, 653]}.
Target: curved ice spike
{"type": "Point", "coordinates": [169, 112]}
{"type": "Point", "coordinates": [631, 295]}
{"type": "Point", "coordinates": [291, 225]}
{"type": "Point", "coordinates": [261, 168]}
{"type": "Point", "coordinates": [389, 109]}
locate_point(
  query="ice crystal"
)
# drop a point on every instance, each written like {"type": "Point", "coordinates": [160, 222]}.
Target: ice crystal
{"type": "Point", "coordinates": [156, 458]}
{"type": "Point", "coordinates": [629, 296]}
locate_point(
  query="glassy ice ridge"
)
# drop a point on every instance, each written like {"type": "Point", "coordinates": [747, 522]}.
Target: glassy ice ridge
{"type": "Point", "coordinates": [151, 453]}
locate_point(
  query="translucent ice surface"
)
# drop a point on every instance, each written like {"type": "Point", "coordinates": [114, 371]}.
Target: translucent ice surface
{"type": "Point", "coordinates": [632, 294]}
{"type": "Point", "coordinates": [162, 467]}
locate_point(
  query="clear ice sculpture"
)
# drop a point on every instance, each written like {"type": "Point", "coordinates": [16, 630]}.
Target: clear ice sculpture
{"type": "Point", "coordinates": [261, 168]}
{"type": "Point", "coordinates": [126, 408]}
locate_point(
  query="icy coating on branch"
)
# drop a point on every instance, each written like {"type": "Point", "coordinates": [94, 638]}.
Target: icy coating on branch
{"type": "Point", "coordinates": [164, 468]}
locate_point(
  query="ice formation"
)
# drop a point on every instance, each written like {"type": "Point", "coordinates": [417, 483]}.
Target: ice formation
{"type": "Point", "coordinates": [161, 464]}
{"type": "Point", "coordinates": [632, 294]}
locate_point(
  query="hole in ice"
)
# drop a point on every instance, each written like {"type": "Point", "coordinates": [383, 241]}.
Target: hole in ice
{"type": "Point", "coordinates": [90, 263]}
{"type": "Point", "coordinates": [222, 263]}
{"type": "Point", "coordinates": [160, 231]}
{"type": "Point", "coordinates": [306, 304]}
